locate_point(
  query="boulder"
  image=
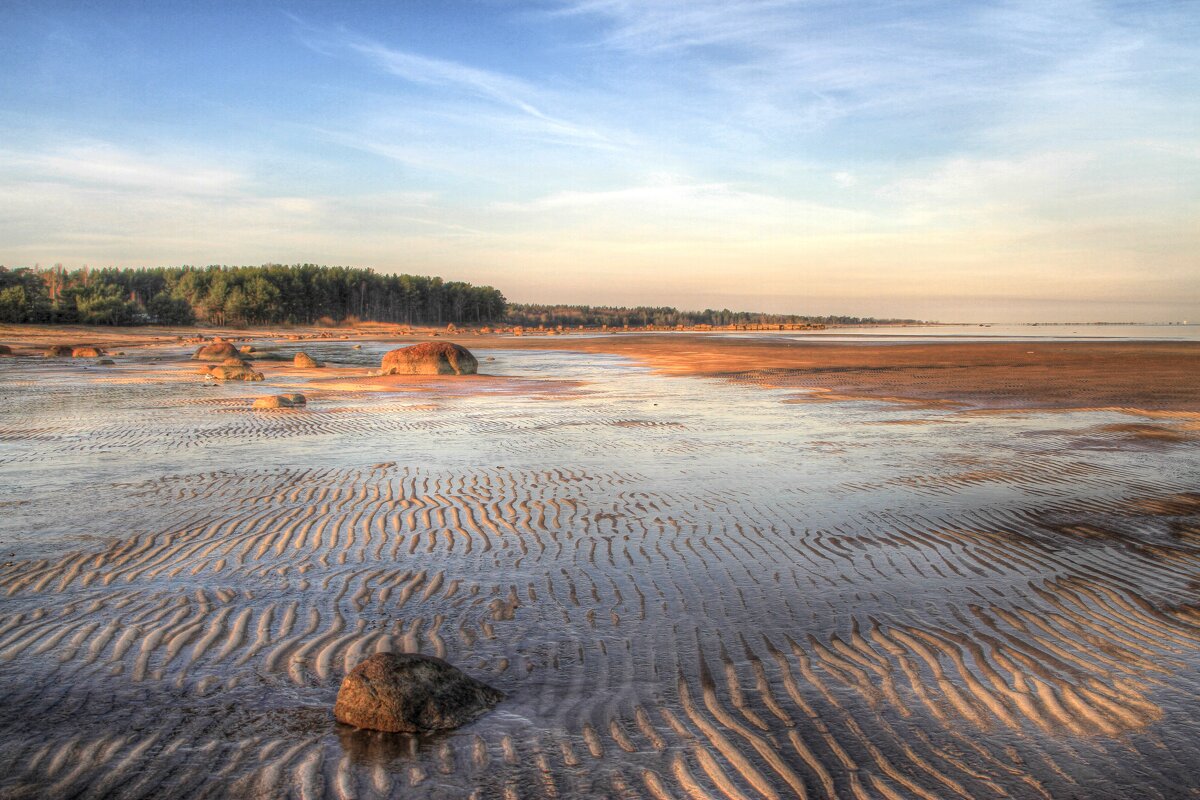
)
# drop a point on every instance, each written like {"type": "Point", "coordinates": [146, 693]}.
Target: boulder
{"type": "Point", "coordinates": [246, 348]}
{"type": "Point", "coordinates": [217, 351]}
{"type": "Point", "coordinates": [58, 350]}
{"type": "Point", "coordinates": [5, 350]}
{"type": "Point", "coordinates": [86, 352]}
{"type": "Point", "coordinates": [411, 693]}
{"type": "Point", "coordinates": [105, 362]}
{"type": "Point", "coordinates": [224, 373]}
{"type": "Point", "coordinates": [430, 358]}
{"type": "Point", "coordinates": [306, 361]}
{"type": "Point", "coordinates": [280, 401]}
{"type": "Point", "coordinates": [235, 362]}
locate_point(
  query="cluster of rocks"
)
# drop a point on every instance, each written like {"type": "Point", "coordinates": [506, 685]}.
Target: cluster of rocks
{"type": "Point", "coordinates": [72, 351]}
{"type": "Point", "coordinates": [231, 366]}
{"type": "Point", "coordinates": [227, 363]}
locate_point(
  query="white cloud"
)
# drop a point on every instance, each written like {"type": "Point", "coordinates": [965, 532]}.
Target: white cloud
{"type": "Point", "coordinates": [104, 165]}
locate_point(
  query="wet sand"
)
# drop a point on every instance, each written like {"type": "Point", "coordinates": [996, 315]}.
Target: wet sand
{"type": "Point", "coordinates": [688, 584]}
{"type": "Point", "coordinates": [1047, 374]}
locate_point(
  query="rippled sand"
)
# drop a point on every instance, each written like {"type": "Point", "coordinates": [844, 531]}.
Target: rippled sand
{"type": "Point", "coordinates": [689, 587]}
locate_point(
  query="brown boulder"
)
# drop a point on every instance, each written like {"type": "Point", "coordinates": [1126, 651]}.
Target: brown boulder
{"type": "Point", "coordinates": [217, 351]}
{"type": "Point", "coordinates": [86, 352]}
{"type": "Point", "coordinates": [270, 401]}
{"type": "Point", "coordinates": [246, 348]}
{"type": "Point", "coordinates": [280, 401]}
{"type": "Point", "coordinates": [224, 373]}
{"type": "Point", "coordinates": [306, 361]}
{"type": "Point", "coordinates": [430, 358]}
{"type": "Point", "coordinates": [235, 362]}
{"type": "Point", "coordinates": [411, 693]}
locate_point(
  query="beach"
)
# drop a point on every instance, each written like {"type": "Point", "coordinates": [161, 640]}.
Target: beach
{"type": "Point", "coordinates": [698, 564]}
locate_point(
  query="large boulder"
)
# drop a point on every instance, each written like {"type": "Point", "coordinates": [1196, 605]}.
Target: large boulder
{"type": "Point", "coordinates": [217, 351]}
{"type": "Point", "coordinates": [412, 694]}
{"type": "Point", "coordinates": [306, 361]}
{"type": "Point", "coordinates": [86, 352]}
{"type": "Point", "coordinates": [430, 358]}
{"type": "Point", "coordinates": [224, 373]}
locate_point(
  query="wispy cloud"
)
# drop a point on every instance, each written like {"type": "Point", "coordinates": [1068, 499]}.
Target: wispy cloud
{"type": "Point", "coordinates": [105, 166]}
{"type": "Point", "coordinates": [467, 81]}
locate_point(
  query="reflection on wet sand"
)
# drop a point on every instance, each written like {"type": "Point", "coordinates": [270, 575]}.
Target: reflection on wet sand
{"type": "Point", "coordinates": [687, 587]}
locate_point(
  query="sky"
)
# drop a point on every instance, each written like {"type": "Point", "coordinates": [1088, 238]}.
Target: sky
{"type": "Point", "coordinates": [957, 161]}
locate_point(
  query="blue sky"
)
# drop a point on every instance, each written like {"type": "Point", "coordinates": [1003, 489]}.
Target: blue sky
{"type": "Point", "coordinates": [961, 161]}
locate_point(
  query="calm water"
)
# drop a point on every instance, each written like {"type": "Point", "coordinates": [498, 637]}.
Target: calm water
{"type": "Point", "coordinates": [1015, 332]}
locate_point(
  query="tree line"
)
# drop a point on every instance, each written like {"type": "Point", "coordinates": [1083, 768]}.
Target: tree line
{"type": "Point", "coordinates": [220, 295]}
{"type": "Point", "coordinates": [568, 316]}
{"type": "Point", "coordinates": [306, 294]}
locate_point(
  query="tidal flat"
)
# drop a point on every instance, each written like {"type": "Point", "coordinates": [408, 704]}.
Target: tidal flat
{"type": "Point", "coordinates": [695, 572]}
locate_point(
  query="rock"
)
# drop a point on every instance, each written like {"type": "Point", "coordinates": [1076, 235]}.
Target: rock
{"type": "Point", "coordinates": [5, 350]}
{"type": "Point", "coordinates": [306, 361]}
{"type": "Point", "coordinates": [58, 350]}
{"type": "Point", "coordinates": [217, 351]}
{"type": "Point", "coordinates": [280, 401]}
{"type": "Point", "coordinates": [356, 347]}
{"type": "Point", "coordinates": [412, 694]}
{"type": "Point", "coordinates": [105, 362]}
{"type": "Point", "coordinates": [235, 362]}
{"type": "Point", "coordinates": [224, 373]}
{"type": "Point", "coordinates": [246, 348]}
{"type": "Point", "coordinates": [430, 358]}
{"type": "Point", "coordinates": [86, 352]}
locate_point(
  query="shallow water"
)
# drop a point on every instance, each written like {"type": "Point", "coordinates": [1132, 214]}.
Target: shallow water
{"type": "Point", "coordinates": [1004, 332]}
{"type": "Point", "coordinates": [687, 587]}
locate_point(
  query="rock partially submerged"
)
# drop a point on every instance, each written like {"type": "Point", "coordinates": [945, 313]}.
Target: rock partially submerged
{"type": "Point", "coordinates": [292, 400]}
{"type": "Point", "coordinates": [58, 350]}
{"type": "Point", "coordinates": [306, 361]}
{"type": "Point", "coordinates": [430, 358]}
{"type": "Point", "coordinates": [5, 350]}
{"type": "Point", "coordinates": [86, 352]}
{"type": "Point", "coordinates": [412, 694]}
{"type": "Point", "coordinates": [223, 373]}
{"type": "Point", "coordinates": [217, 351]}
